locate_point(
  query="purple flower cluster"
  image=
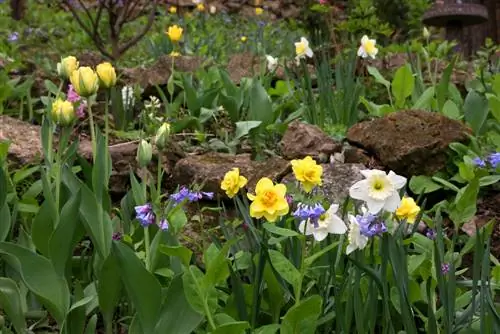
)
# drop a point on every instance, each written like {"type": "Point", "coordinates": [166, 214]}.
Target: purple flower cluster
{"type": "Point", "coordinates": [145, 215]}
{"type": "Point", "coordinates": [370, 225]}
{"type": "Point", "coordinates": [191, 196]}
{"type": "Point", "coordinates": [163, 224]}
{"type": "Point", "coordinates": [445, 268]}
{"type": "Point", "coordinates": [493, 160]}
{"type": "Point", "coordinates": [309, 212]}
{"type": "Point", "coordinates": [430, 233]}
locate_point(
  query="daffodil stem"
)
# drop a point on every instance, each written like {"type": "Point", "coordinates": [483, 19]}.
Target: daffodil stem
{"type": "Point", "coordinates": [146, 248]}
{"type": "Point", "coordinates": [92, 129]}
{"type": "Point", "coordinates": [258, 280]}
{"type": "Point", "coordinates": [298, 287]}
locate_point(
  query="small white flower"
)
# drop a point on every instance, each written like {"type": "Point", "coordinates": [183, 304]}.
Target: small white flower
{"type": "Point", "coordinates": [302, 49]}
{"type": "Point", "coordinates": [197, 2]}
{"type": "Point", "coordinates": [272, 63]}
{"type": "Point", "coordinates": [329, 222]}
{"type": "Point", "coordinates": [128, 97]}
{"type": "Point", "coordinates": [213, 9]}
{"type": "Point", "coordinates": [356, 239]}
{"type": "Point", "coordinates": [379, 190]}
{"type": "Point", "coordinates": [367, 48]}
{"type": "Point", "coordinates": [152, 103]}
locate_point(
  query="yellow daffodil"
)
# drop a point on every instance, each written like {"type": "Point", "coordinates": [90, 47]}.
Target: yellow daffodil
{"type": "Point", "coordinates": [307, 172]}
{"type": "Point", "coordinates": [408, 210]}
{"type": "Point", "coordinates": [63, 112]}
{"type": "Point", "coordinates": [269, 200]}
{"type": "Point", "coordinates": [67, 66]}
{"type": "Point", "coordinates": [174, 33]}
{"type": "Point", "coordinates": [367, 48]}
{"type": "Point", "coordinates": [172, 10]}
{"type": "Point", "coordinates": [85, 81]}
{"type": "Point", "coordinates": [200, 7]}
{"type": "Point", "coordinates": [243, 39]}
{"type": "Point", "coordinates": [233, 182]}
{"type": "Point", "coordinates": [107, 74]}
{"type": "Point", "coordinates": [259, 11]}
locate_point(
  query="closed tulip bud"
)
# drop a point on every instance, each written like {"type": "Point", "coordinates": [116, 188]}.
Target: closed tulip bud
{"type": "Point", "coordinates": [63, 112]}
{"type": "Point", "coordinates": [67, 66]}
{"type": "Point", "coordinates": [426, 33]}
{"type": "Point", "coordinates": [85, 81]}
{"type": "Point", "coordinates": [107, 74]}
{"type": "Point", "coordinates": [162, 136]}
{"type": "Point", "coordinates": [144, 153]}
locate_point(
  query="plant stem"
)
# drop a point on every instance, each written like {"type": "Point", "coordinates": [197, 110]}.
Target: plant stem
{"type": "Point", "coordinates": [211, 321]}
{"type": "Point", "coordinates": [298, 287]}
{"type": "Point", "coordinates": [92, 129]}
{"type": "Point", "coordinates": [58, 166]}
{"type": "Point", "coordinates": [258, 280]}
{"type": "Point", "coordinates": [146, 247]}
{"type": "Point", "coordinates": [159, 174]}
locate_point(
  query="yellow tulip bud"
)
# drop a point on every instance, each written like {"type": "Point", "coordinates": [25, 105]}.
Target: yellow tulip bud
{"type": "Point", "coordinates": [144, 153]}
{"type": "Point", "coordinates": [172, 10]}
{"type": "Point", "coordinates": [162, 136]}
{"type": "Point", "coordinates": [85, 81]}
{"type": "Point", "coordinates": [243, 39]}
{"type": "Point", "coordinates": [200, 7]}
{"type": "Point", "coordinates": [174, 33]}
{"type": "Point", "coordinates": [426, 33]}
{"type": "Point", "coordinates": [259, 11]}
{"type": "Point", "coordinates": [107, 74]}
{"type": "Point", "coordinates": [63, 112]}
{"type": "Point", "coordinates": [67, 66]}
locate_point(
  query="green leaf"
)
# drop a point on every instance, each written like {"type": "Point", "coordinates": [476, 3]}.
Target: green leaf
{"type": "Point", "coordinates": [378, 77]}
{"type": "Point", "coordinates": [302, 318]}
{"type": "Point", "coordinates": [476, 111]}
{"type": "Point", "coordinates": [442, 90]}
{"type": "Point", "coordinates": [217, 264]}
{"type": "Point", "coordinates": [91, 327]}
{"type": "Point", "coordinates": [11, 303]}
{"type": "Point", "coordinates": [180, 251]}
{"type": "Point", "coordinates": [450, 110]}
{"type": "Point", "coordinates": [495, 84]}
{"type": "Point", "coordinates": [142, 287]}
{"type": "Point", "coordinates": [243, 128]}
{"type": "Point", "coordinates": [488, 180]}
{"type": "Point", "coordinates": [261, 108]}
{"type": "Point", "coordinates": [376, 109]}
{"type": "Point", "coordinates": [197, 293]}
{"type": "Point", "coordinates": [40, 278]}
{"type": "Point", "coordinates": [43, 226]}
{"type": "Point", "coordinates": [237, 327]}
{"type": "Point", "coordinates": [267, 329]}
{"type": "Point", "coordinates": [402, 85]}
{"type": "Point", "coordinates": [177, 219]}
{"type": "Point", "coordinates": [424, 102]}
{"type": "Point", "coordinates": [465, 203]}
{"type": "Point", "coordinates": [494, 103]}
{"type": "Point", "coordinates": [284, 267]}
{"type": "Point", "coordinates": [422, 184]}
{"type": "Point", "coordinates": [177, 316]}
{"type": "Point", "coordinates": [285, 232]}
{"type": "Point", "coordinates": [109, 288]}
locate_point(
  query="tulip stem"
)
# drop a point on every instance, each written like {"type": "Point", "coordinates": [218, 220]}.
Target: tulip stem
{"type": "Point", "coordinates": [58, 166]}
{"type": "Point", "coordinates": [92, 129]}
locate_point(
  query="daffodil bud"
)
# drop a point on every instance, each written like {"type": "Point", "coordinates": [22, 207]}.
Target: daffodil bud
{"type": "Point", "coordinates": [144, 153]}
{"type": "Point", "coordinates": [107, 74]}
{"type": "Point", "coordinates": [85, 81]}
{"type": "Point", "coordinates": [67, 66]}
{"type": "Point", "coordinates": [63, 112]}
{"type": "Point", "coordinates": [162, 136]}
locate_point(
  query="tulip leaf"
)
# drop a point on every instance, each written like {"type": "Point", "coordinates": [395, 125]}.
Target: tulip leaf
{"type": "Point", "coordinates": [40, 278]}
{"type": "Point", "coordinates": [261, 108]}
{"type": "Point", "coordinates": [109, 287]}
{"type": "Point", "coordinates": [142, 287]}
{"type": "Point", "coordinates": [302, 318]}
{"type": "Point", "coordinates": [11, 304]}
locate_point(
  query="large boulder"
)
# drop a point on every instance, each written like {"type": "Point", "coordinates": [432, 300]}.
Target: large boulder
{"type": "Point", "coordinates": [302, 139]}
{"type": "Point", "coordinates": [409, 142]}
{"type": "Point", "coordinates": [208, 170]}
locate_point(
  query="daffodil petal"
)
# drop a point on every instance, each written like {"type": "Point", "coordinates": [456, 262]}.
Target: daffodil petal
{"type": "Point", "coordinates": [263, 184]}
{"type": "Point", "coordinates": [359, 190]}
{"type": "Point", "coordinates": [392, 203]}
{"type": "Point", "coordinates": [397, 180]}
{"type": "Point", "coordinates": [320, 234]}
{"type": "Point", "coordinates": [336, 226]}
{"type": "Point", "coordinates": [375, 206]}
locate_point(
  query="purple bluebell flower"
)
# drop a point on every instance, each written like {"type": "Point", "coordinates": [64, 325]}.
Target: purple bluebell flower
{"type": "Point", "coordinates": [163, 224]}
{"type": "Point", "coordinates": [144, 214]}
{"type": "Point", "coordinates": [370, 225]}
{"type": "Point", "coordinates": [309, 212]}
{"type": "Point", "coordinates": [478, 162]}
{"type": "Point", "coordinates": [13, 36]}
{"type": "Point", "coordinates": [117, 236]}
{"type": "Point", "coordinates": [192, 196]}
{"type": "Point", "coordinates": [430, 233]}
{"type": "Point", "coordinates": [494, 159]}
{"type": "Point", "coordinates": [445, 268]}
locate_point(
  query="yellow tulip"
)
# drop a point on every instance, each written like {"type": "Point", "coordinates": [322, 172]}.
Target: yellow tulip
{"type": "Point", "coordinates": [172, 10]}
{"type": "Point", "coordinates": [174, 33]}
{"type": "Point", "coordinates": [85, 81]}
{"type": "Point", "coordinates": [200, 7]}
{"type": "Point", "coordinates": [408, 210]}
{"type": "Point", "coordinates": [67, 66]}
{"type": "Point", "coordinates": [269, 200]}
{"type": "Point", "coordinates": [307, 172]}
{"type": "Point", "coordinates": [243, 39]}
{"type": "Point", "coordinates": [259, 11]}
{"type": "Point", "coordinates": [63, 112]}
{"type": "Point", "coordinates": [233, 182]}
{"type": "Point", "coordinates": [107, 74]}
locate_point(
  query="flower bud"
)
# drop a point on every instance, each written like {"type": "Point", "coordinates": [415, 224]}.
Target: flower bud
{"type": "Point", "coordinates": [144, 153]}
{"type": "Point", "coordinates": [107, 74]}
{"type": "Point", "coordinates": [426, 33]}
{"type": "Point", "coordinates": [85, 81]}
{"type": "Point", "coordinates": [162, 136]}
{"type": "Point", "coordinates": [63, 112]}
{"type": "Point", "coordinates": [67, 66]}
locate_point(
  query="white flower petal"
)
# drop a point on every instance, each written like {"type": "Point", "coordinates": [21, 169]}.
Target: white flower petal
{"type": "Point", "coordinates": [392, 203]}
{"type": "Point", "coordinates": [304, 41]}
{"type": "Point", "coordinates": [350, 249]}
{"type": "Point", "coordinates": [361, 52]}
{"type": "Point", "coordinates": [301, 226]}
{"type": "Point", "coordinates": [359, 190]}
{"type": "Point", "coordinates": [309, 53]}
{"type": "Point", "coordinates": [333, 209]}
{"type": "Point", "coordinates": [320, 234]}
{"type": "Point", "coordinates": [374, 206]}
{"type": "Point", "coordinates": [364, 39]}
{"type": "Point", "coordinates": [336, 225]}
{"type": "Point", "coordinates": [397, 180]}
{"type": "Point", "coordinates": [367, 173]}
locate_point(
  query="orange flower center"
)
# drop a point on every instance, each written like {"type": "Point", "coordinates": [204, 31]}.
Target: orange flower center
{"type": "Point", "coordinates": [269, 198]}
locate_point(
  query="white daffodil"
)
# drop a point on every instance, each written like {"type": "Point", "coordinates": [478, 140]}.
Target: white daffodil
{"type": "Point", "coordinates": [328, 222]}
{"type": "Point", "coordinates": [379, 190]}
{"type": "Point", "coordinates": [302, 49]}
{"type": "Point", "coordinates": [356, 239]}
{"type": "Point", "coordinates": [367, 48]}
{"type": "Point", "coordinates": [272, 63]}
